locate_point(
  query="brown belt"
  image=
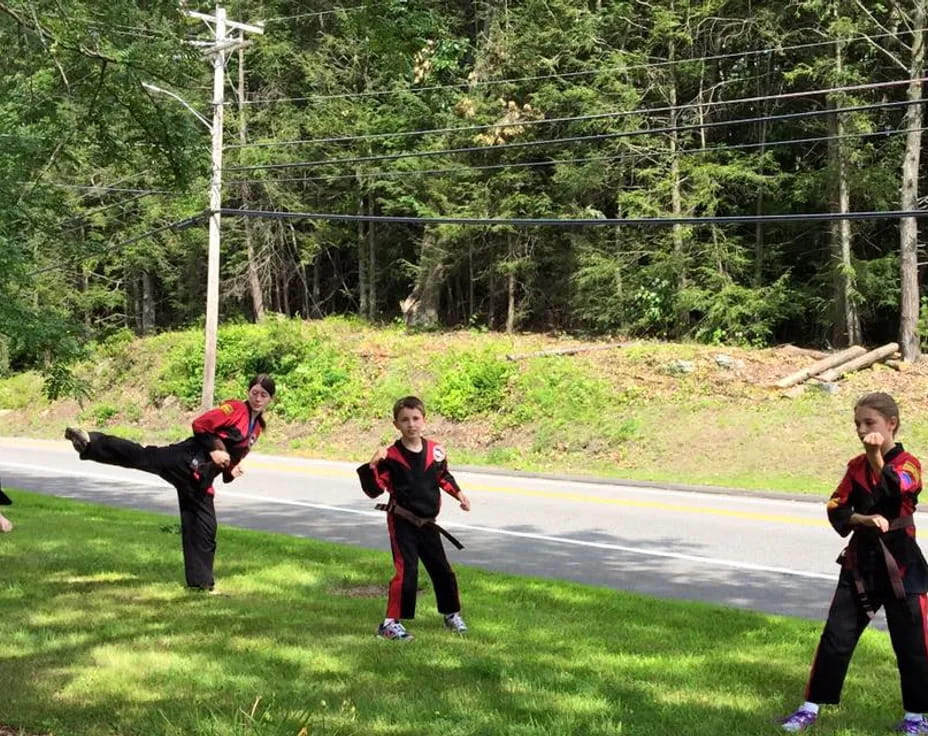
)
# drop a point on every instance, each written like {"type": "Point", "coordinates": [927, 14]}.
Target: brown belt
{"type": "Point", "coordinates": [419, 521]}
{"type": "Point", "coordinates": [892, 568]}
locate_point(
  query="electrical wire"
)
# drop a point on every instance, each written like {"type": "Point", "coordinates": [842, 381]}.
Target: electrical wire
{"type": "Point", "coordinates": [585, 159]}
{"type": "Point", "coordinates": [178, 225]}
{"type": "Point", "coordinates": [570, 75]}
{"type": "Point", "coordinates": [317, 13]}
{"type": "Point", "coordinates": [575, 139]}
{"type": "Point", "coordinates": [578, 118]}
{"type": "Point", "coordinates": [580, 222]}
{"type": "Point", "coordinates": [84, 215]}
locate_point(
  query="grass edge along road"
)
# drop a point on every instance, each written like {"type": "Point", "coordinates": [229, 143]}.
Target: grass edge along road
{"type": "Point", "coordinates": [98, 636]}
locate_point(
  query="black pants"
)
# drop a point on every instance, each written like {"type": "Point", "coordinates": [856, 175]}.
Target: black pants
{"type": "Point", "coordinates": [410, 543]}
{"type": "Point", "coordinates": [172, 463]}
{"type": "Point", "coordinates": [847, 620]}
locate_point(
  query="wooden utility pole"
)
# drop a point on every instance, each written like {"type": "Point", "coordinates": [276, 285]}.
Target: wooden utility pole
{"type": "Point", "coordinates": [219, 49]}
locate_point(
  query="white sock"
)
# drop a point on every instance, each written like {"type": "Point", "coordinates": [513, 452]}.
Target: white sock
{"type": "Point", "coordinates": [913, 716]}
{"type": "Point", "coordinates": [811, 707]}
{"type": "Point", "coordinates": [388, 621]}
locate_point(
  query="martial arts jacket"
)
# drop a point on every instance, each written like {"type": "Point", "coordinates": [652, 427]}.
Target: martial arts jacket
{"type": "Point", "coordinates": [413, 479]}
{"type": "Point", "coordinates": [892, 493]}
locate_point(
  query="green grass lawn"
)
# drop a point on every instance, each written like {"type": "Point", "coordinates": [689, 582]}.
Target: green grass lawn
{"type": "Point", "coordinates": [98, 636]}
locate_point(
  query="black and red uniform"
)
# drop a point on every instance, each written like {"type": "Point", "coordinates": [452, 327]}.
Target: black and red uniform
{"type": "Point", "coordinates": [415, 481]}
{"type": "Point", "coordinates": [187, 466]}
{"type": "Point", "coordinates": [877, 570]}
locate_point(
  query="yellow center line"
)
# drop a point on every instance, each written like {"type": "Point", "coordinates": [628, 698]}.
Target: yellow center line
{"type": "Point", "coordinates": [572, 496]}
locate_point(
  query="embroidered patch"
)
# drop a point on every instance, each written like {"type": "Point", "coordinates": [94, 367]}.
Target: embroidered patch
{"type": "Point", "coordinates": [909, 476]}
{"type": "Point", "coordinates": [227, 409]}
{"type": "Point", "coordinates": [438, 453]}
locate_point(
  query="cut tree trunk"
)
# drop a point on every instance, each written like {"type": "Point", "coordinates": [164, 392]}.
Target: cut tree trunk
{"type": "Point", "coordinates": [865, 360]}
{"type": "Point", "coordinates": [821, 365]}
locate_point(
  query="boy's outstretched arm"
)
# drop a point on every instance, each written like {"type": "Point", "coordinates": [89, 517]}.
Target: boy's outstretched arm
{"type": "Point", "coordinates": [450, 486]}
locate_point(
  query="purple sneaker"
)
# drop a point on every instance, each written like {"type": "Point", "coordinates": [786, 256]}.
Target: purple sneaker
{"type": "Point", "coordinates": [911, 727]}
{"type": "Point", "coordinates": [799, 721]}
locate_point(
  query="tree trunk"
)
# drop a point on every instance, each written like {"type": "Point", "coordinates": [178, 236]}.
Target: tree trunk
{"type": "Point", "coordinates": [317, 285]}
{"type": "Point", "coordinates": [363, 287]}
{"type": "Point", "coordinates": [148, 305]}
{"type": "Point", "coordinates": [511, 288]}
{"type": "Point", "coordinates": [676, 195]}
{"type": "Point", "coordinates": [420, 308]}
{"type": "Point", "coordinates": [908, 226]}
{"type": "Point", "coordinates": [372, 263]}
{"type": "Point", "coordinates": [254, 281]}
{"type": "Point", "coordinates": [846, 329]}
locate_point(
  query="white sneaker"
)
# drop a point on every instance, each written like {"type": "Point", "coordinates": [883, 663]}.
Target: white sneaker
{"type": "Point", "coordinates": [455, 624]}
{"type": "Point", "coordinates": [394, 630]}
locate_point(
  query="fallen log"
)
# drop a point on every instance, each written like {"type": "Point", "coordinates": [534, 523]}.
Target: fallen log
{"type": "Point", "coordinates": [568, 351]}
{"type": "Point", "coordinates": [809, 352]}
{"type": "Point", "coordinates": [821, 365]}
{"type": "Point", "coordinates": [864, 361]}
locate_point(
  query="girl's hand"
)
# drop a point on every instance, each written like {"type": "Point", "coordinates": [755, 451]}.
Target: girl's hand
{"type": "Point", "coordinates": [381, 454]}
{"type": "Point", "coordinates": [220, 457]}
{"type": "Point", "coordinates": [464, 501]}
{"type": "Point", "coordinates": [237, 471]}
{"type": "Point", "coordinates": [879, 521]}
{"type": "Point", "coordinates": [873, 442]}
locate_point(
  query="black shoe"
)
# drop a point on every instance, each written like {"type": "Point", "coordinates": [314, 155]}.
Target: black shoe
{"type": "Point", "coordinates": [79, 438]}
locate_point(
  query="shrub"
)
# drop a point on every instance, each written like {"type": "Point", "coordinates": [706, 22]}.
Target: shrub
{"type": "Point", "coordinates": [470, 383]}
{"type": "Point", "coordinates": [557, 388]}
{"type": "Point", "coordinates": [308, 368]}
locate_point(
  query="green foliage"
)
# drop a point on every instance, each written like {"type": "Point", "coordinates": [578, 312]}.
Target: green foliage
{"type": "Point", "coordinates": [469, 384]}
{"type": "Point", "coordinates": [308, 368]}
{"type": "Point", "coordinates": [21, 390]}
{"type": "Point", "coordinates": [739, 315]}
{"type": "Point", "coordinates": [61, 382]}
{"type": "Point", "coordinates": [100, 414]}
{"type": "Point", "coordinates": [556, 388]}
{"type": "Point", "coordinates": [74, 113]}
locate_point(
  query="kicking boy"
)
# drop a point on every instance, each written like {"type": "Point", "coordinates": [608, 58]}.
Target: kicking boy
{"type": "Point", "coordinates": [414, 470]}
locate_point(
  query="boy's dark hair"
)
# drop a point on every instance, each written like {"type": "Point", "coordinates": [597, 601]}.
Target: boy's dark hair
{"type": "Point", "coordinates": [881, 402]}
{"type": "Point", "coordinates": [408, 402]}
{"type": "Point", "coordinates": [265, 381]}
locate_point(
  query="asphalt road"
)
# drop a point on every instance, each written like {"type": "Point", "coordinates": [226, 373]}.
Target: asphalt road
{"type": "Point", "coordinates": [763, 554]}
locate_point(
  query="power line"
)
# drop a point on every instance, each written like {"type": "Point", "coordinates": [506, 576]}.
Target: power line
{"type": "Point", "coordinates": [317, 13]}
{"type": "Point", "coordinates": [577, 118]}
{"type": "Point", "coordinates": [581, 222]}
{"type": "Point", "coordinates": [96, 210]}
{"type": "Point", "coordinates": [574, 139]}
{"type": "Point", "coordinates": [91, 188]}
{"type": "Point", "coordinates": [178, 225]}
{"type": "Point", "coordinates": [585, 159]}
{"type": "Point", "coordinates": [570, 75]}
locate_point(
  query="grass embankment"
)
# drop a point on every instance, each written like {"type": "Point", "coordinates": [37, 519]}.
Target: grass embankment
{"type": "Point", "coordinates": [622, 413]}
{"type": "Point", "coordinates": [98, 637]}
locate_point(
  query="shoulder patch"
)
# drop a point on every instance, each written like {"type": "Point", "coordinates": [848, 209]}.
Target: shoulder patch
{"type": "Point", "coordinates": [227, 408]}
{"type": "Point", "coordinates": [438, 453]}
{"type": "Point", "coordinates": [909, 475]}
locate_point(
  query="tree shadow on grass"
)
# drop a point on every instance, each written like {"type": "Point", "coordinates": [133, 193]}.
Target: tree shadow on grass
{"type": "Point", "coordinates": [95, 640]}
